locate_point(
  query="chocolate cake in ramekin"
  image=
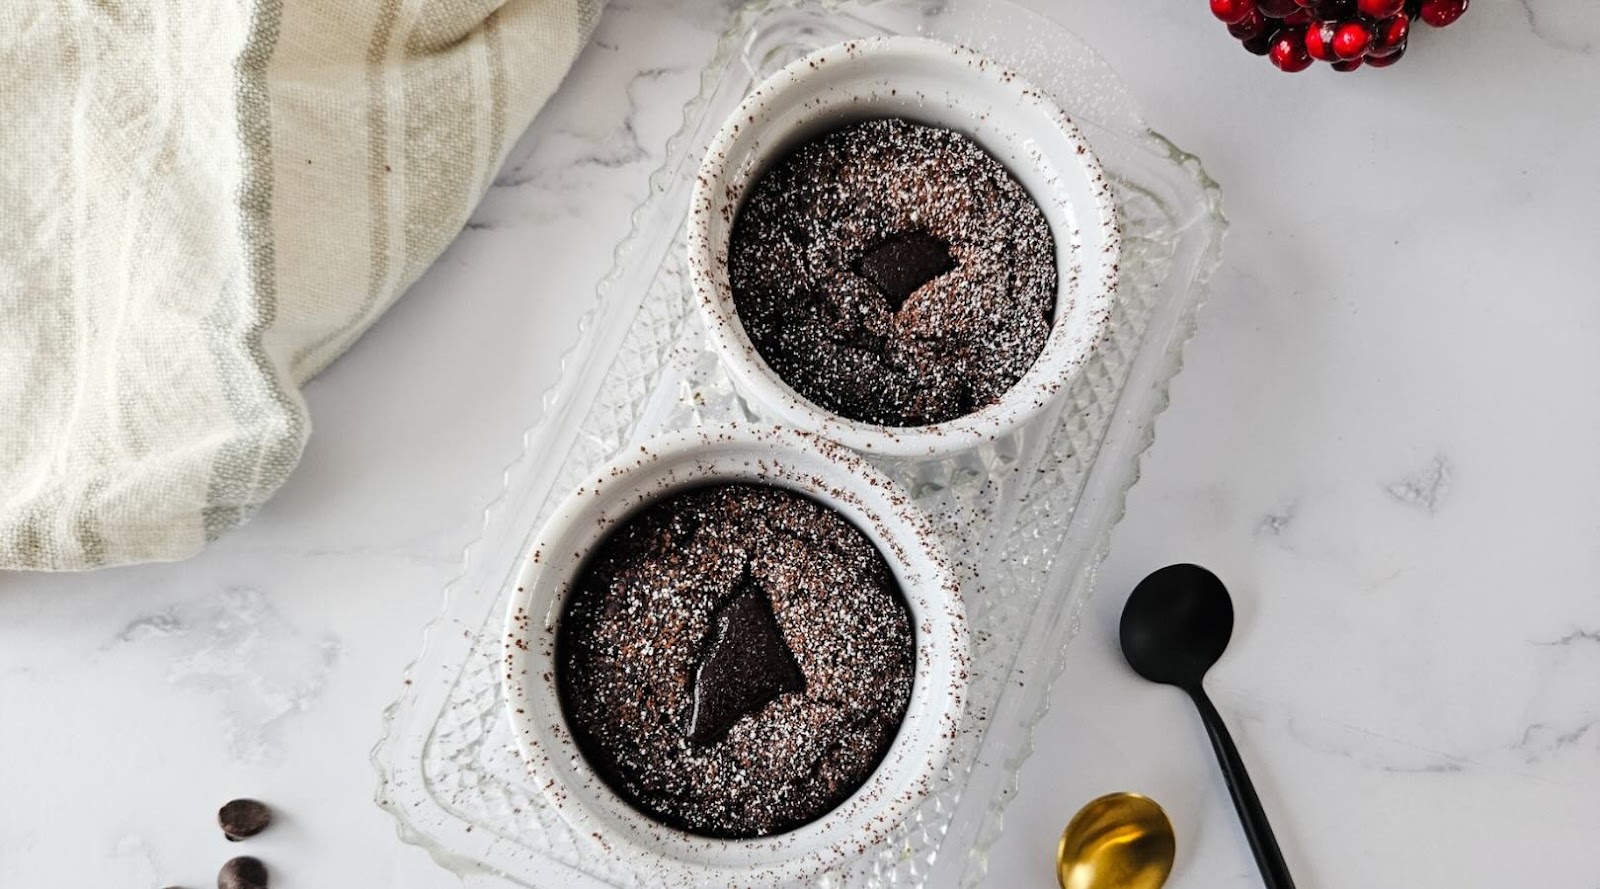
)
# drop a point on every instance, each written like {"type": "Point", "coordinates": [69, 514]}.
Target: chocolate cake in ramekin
{"type": "Point", "coordinates": [737, 650]}
{"type": "Point", "coordinates": [902, 246]}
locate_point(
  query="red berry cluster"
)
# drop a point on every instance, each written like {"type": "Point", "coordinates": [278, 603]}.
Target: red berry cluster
{"type": "Point", "coordinates": [1345, 33]}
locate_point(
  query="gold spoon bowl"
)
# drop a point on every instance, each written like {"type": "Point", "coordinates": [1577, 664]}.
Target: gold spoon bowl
{"type": "Point", "coordinates": [1119, 841]}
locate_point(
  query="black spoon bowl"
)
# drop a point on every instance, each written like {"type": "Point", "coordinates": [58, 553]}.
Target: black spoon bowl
{"type": "Point", "coordinates": [1175, 626]}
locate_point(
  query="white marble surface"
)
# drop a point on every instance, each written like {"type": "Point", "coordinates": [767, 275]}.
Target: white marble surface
{"type": "Point", "coordinates": [1385, 440]}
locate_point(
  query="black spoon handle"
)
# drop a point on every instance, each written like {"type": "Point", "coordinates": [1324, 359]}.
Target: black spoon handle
{"type": "Point", "coordinates": [1256, 829]}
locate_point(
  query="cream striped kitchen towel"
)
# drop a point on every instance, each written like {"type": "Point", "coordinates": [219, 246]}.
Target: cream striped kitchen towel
{"type": "Point", "coordinates": [202, 203]}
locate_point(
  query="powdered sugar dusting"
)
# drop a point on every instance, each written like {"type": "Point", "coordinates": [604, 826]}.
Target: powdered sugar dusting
{"type": "Point", "coordinates": [960, 340]}
{"type": "Point", "coordinates": [635, 627]}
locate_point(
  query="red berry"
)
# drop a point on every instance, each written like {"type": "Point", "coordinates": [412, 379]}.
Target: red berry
{"type": "Point", "coordinates": [1319, 41]}
{"type": "Point", "coordinates": [1289, 51]}
{"type": "Point", "coordinates": [1388, 58]}
{"type": "Point", "coordinates": [1390, 33]}
{"type": "Point", "coordinates": [1232, 11]}
{"type": "Point", "coordinates": [1380, 9]}
{"type": "Point", "coordinates": [1278, 8]}
{"type": "Point", "coordinates": [1261, 44]}
{"type": "Point", "coordinates": [1347, 64]}
{"type": "Point", "coordinates": [1252, 25]}
{"type": "Point", "coordinates": [1351, 40]}
{"type": "Point", "coordinates": [1440, 13]}
{"type": "Point", "coordinates": [1299, 17]}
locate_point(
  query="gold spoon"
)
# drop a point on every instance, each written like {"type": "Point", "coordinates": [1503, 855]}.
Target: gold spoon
{"type": "Point", "coordinates": [1119, 841]}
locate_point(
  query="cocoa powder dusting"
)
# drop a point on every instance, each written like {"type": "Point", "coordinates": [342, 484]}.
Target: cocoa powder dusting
{"type": "Point", "coordinates": [656, 600]}
{"type": "Point", "coordinates": [894, 273]}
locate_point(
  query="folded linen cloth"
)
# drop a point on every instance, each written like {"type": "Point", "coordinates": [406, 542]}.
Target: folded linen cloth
{"type": "Point", "coordinates": [202, 203]}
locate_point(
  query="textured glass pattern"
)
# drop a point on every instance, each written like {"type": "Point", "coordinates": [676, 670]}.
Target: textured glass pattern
{"type": "Point", "coordinates": [1026, 520]}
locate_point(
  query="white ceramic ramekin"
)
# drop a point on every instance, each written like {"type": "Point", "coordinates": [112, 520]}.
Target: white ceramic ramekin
{"type": "Point", "coordinates": [768, 455]}
{"type": "Point", "coordinates": [941, 85]}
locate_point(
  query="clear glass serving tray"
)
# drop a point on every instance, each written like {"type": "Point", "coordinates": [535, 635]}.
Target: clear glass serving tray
{"type": "Point", "coordinates": [1026, 520]}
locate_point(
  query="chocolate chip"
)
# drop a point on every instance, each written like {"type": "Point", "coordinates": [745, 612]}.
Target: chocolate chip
{"type": "Point", "coordinates": [901, 263]}
{"type": "Point", "coordinates": [746, 665]}
{"type": "Point", "coordinates": [243, 818]}
{"type": "Point", "coordinates": [243, 872]}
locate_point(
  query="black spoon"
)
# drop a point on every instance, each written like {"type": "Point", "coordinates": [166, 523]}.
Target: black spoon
{"type": "Point", "coordinates": [1174, 627]}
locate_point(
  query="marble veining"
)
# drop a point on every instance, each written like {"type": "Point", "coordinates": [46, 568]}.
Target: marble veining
{"type": "Point", "coordinates": [138, 861]}
{"type": "Point", "coordinates": [1426, 488]}
{"type": "Point", "coordinates": [1575, 637]}
{"type": "Point", "coordinates": [1276, 523]}
{"type": "Point", "coordinates": [1383, 440]}
{"type": "Point", "coordinates": [1565, 27]}
{"type": "Point", "coordinates": [608, 149]}
{"type": "Point", "coordinates": [237, 648]}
